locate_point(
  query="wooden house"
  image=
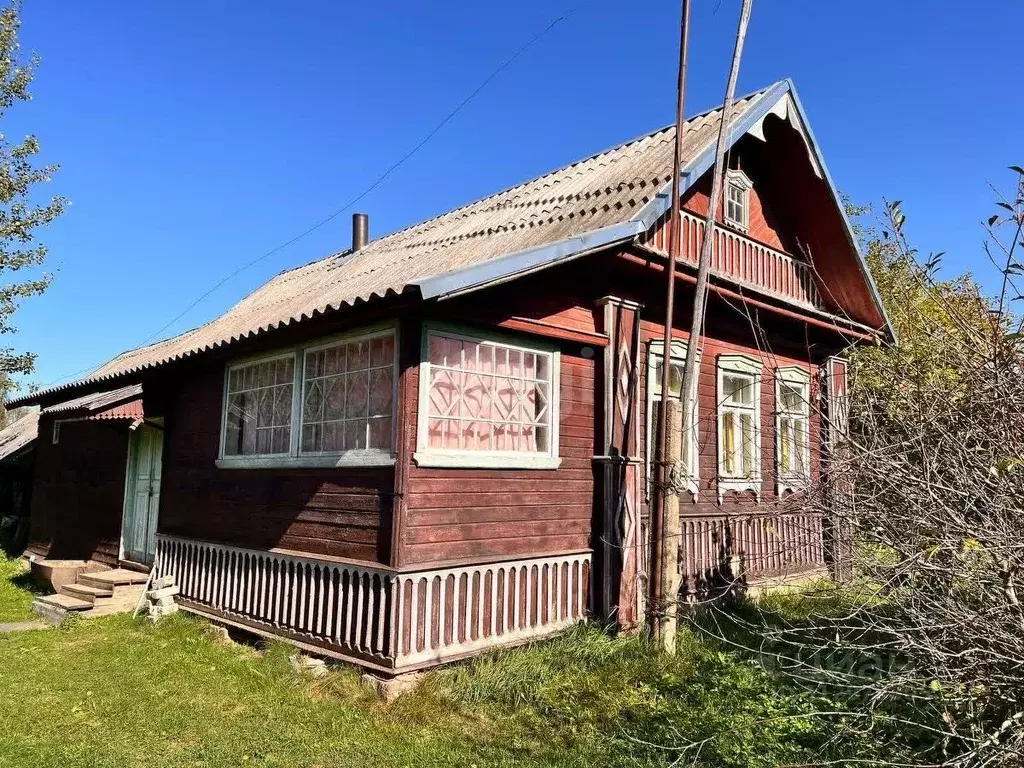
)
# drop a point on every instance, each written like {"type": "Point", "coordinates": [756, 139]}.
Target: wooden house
{"type": "Point", "coordinates": [437, 442]}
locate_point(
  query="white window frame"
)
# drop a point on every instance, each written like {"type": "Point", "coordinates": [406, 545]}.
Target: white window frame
{"type": "Point", "coordinates": [741, 365]}
{"type": "Point", "coordinates": [794, 376]}
{"type": "Point", "coordinates": [655, 351]}
{"type": "Point", "coordinates": [838, 406]}
{"type": "Point", "coordinates": [368, 457]}
{"type": "Point", "coordinates": [741, 181]}
{"type": "Point", "coordinates": [425, 456]}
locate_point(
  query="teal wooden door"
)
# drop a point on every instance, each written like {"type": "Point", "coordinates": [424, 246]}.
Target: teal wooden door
{"type": "Point", "coordinates": [142, 494]}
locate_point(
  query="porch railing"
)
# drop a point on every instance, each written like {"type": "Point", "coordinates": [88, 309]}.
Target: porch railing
{"type": "Point", "coordinates": [397, 620]}
{"type": "Point", "coordinates": [719, 550]}
{"type": "Point", "coordinates": [742, 260]}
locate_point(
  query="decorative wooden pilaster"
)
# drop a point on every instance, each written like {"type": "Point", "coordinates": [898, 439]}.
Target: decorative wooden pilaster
{"type": "Point", "coordinates": [621, 567]}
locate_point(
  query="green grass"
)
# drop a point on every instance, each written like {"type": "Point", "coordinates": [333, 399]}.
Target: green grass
{"type": "Point", "coordinates": [121, 692]}
{"type": "Point", "coordinates": [16, 591]}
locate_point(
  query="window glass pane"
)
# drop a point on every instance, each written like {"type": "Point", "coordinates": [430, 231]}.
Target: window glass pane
{"type": "Point", "coordinates": [793, 454]}
{"type": "Point", "coordinates": [738, 389]}
{"type": "Point", "coordinates": [728, 430]}
{"type": "Point", "coordinates": [791, 397]}
{"type": "Point", "coordinates": [485, 396]}
{"type": "Point", "coordinates": [800, 447]}
{"type": "Point", "coordinates": [748, 437]}
{"type": "Point", "coordinates": [675, 374]}
{"type": "Point", "coordinates": [348, 396]}
{"type": "Point", "coordinates": [735, 204]}
{"type": "Point", "coordinates": [259, 408]}
{"type": "Point", "coordinates": [785, 445]}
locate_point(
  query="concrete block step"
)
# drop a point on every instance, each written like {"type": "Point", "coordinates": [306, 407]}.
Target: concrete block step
{"type": "Point", "coordinates": [66, 602]}
{"type": "Point", "coordinates": [85, 592]}
{"type": "Point", "coordinates": [51, 614]}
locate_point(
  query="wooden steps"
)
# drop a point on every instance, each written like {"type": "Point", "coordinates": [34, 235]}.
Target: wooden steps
{"type": "Point", "coordinates": [116, 577]}
{"type": "Point", "coordinates": [96, 593]}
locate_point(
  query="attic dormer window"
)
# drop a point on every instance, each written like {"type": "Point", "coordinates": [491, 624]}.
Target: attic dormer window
{"type": "Point", "coordinates": [737, 199]}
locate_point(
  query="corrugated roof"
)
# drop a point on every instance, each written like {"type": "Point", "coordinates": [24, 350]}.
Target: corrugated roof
{"type": "Point", "coordinates": [19, 434]}
{"type": "Point", "coordinates": [601, 191]}
{"type": "Point", "coordinates": [96, 402]}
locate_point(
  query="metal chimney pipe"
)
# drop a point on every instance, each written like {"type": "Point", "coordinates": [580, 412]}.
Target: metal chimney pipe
{"type": "Point", "coordinates": [360, 230]}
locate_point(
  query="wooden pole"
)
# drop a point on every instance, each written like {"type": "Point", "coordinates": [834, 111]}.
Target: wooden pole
{"type": "Point", "coordinates": [666, 622]}
{"type": "Point", "coordinates": [671, 526]}
{"type": "Point", "coordinates": [689, 384]}
{"type": "Point", "coordinates": [659, 561]}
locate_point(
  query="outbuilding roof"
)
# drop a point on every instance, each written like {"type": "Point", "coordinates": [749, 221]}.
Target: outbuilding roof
{"type": "Point", "coordinates": [97, 402]}
{"type": "Point", "coordinates": [19, 434]}
{"type": "Point", "coordinates": [609, 197]}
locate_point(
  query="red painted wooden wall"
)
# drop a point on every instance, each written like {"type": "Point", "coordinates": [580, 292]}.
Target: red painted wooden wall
{"type": "Point", "coordinates": [78, 494]}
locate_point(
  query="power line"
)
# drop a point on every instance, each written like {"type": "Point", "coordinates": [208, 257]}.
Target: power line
{"type": "Point", "coordinates": [563, 16]}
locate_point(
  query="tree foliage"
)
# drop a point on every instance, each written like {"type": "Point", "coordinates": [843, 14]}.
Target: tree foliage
{"type": "Point", "coordinates": [926, 313]}
{"type": "Point", "coordinates": [22, 209]}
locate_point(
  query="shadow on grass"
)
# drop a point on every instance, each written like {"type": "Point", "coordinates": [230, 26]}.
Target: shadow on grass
{"type": "Point", "coordinates": [26, 581]}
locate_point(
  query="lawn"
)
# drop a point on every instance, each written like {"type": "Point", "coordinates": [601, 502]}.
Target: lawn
{"type": "Point", "coordinates": [121, 692]}
{"type": "Point", "coordinates": [15, 591]}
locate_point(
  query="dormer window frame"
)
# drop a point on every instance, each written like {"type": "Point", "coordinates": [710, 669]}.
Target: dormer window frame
{"type": "Point", "coordinates": [739, 182]}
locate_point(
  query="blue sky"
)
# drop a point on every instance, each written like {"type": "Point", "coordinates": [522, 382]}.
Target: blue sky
{"type": "Point", "coordinates": [195, 136]}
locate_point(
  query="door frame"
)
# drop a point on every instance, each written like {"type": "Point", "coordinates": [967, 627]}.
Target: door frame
{"type": "Point", "coordinates": [129, 483]}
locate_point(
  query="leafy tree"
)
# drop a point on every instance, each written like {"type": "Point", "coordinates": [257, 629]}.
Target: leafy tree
{"type": "Point", "coordinates": [927, 314]}
{"type": "Point", "coordinates": [22, 212]}
{"type": "Point", "coordinates": [924, 648]}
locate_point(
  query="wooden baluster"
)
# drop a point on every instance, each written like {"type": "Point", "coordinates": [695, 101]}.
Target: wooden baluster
{"type": "Point", "coordinates": [414, 617]}
{"type": "Point", "coordinates": [349, 607]}
{"type": "Point", "coordinates": [382, 600]}
{"type": "Point", "coordinates": [456, 604]}
{"type": "Point", "coordinates": [399, 599]}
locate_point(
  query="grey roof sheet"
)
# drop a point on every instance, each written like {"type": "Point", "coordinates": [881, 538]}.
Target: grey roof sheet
{"type": "Point", "coordinates": [19, 434]}
{"type": "Point", "coordinates": [96, 401]}
{"type": "Point", "coordinates": [600, 191]}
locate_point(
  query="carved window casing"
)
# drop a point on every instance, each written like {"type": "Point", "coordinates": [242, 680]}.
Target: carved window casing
{"type": "Point", "coordinates": [690, 447]}
{"type": "Point", "coordinates": [739, 424]}
{"type": "Point", "coordinates": [792, 429]}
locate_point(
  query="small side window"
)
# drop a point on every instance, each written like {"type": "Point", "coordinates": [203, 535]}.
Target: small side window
{"type": "Point", "coordinates": [737, 200]}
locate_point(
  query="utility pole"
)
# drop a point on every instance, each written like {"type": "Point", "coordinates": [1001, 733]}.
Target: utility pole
{"type": "Point", "coordinates": [664, 602]}
{"type": "Point", "coordinates": [662, 561]}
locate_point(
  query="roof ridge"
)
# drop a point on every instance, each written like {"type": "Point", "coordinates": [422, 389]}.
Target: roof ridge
{"type": "Point", "coordinates": [573, 164]}
{"type": "Point", "coordinates": [465, 206]}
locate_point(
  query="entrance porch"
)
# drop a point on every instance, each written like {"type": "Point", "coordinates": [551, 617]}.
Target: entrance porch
{"type": "Point", "coordinates": [97, 480]}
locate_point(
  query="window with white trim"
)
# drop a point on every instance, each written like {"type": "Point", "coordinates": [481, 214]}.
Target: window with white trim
{"type": "Point", "coordinates": [259, 407]}
{"type": "Point", "coordinates": [487, 402]}
{"type": "Point", "coordinates": [739, 424]}
{"type": "Point", "coordinates": [318, 405]}
{"type": "Point", "coordinates": [737, 199]}
{"type": "Point", "coordinates": [792, 428]}
{"type": "Point", "coordinates": [655, 367]}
